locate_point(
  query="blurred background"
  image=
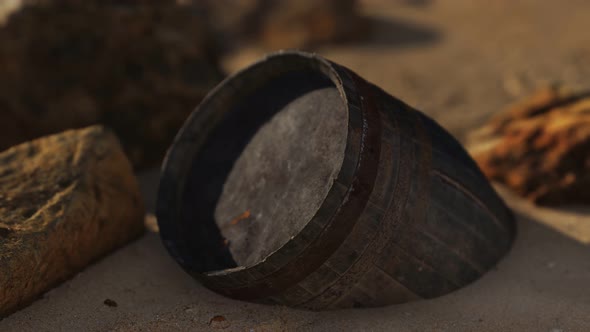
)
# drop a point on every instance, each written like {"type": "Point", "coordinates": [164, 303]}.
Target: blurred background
{"type": "Point", "coordinates": [141, 67]}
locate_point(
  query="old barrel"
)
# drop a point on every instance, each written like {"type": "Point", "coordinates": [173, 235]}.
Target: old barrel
{"type": "Point", "coordinates": [296, 182]}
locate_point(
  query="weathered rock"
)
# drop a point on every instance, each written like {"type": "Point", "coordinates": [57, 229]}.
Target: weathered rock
{"type": "Point", "coordinates": [284, 24]}
{"type": "Point", "coordinates": [139, 67]}
{"type": "Point", "coordinates": [300, 24]}
{"type": "Point", "coordinates": [540, 147]}
{"type": "Point", "coordinates": [65, 200]}
{"type": "Point", "coordinates": [7, 7]}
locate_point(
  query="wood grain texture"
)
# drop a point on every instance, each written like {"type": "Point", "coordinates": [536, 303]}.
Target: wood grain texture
{"type": "Point", "coordinates": [410, 215]}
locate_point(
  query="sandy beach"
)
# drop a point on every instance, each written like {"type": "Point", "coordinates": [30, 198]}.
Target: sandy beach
{"type": "Point", "coordinates": [459, 62]}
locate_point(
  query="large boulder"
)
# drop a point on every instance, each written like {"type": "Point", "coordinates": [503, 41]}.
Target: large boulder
{"type": "Point", "coordinates": [139, 67]}
{"type": "Point", "coordinates": [65, 200]}
{"type": "Point", "coordinates": [540, 147]}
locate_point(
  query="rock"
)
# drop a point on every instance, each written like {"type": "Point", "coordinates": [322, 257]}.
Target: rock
{"type": "Point", "coordinates": [7, 7]}
{"type": "Point", "coordinates": [110, 303]}
{"type": "Point", "coordinates": [65, 200]}
{"type": "Point", "coordinates": [218, 322]}
{"type": "Point", "coordinates": [540, 147]}
{"type": "Point", "coordinates": [285, 24]}
{"type": "Point", "coordinates": [139, 67]}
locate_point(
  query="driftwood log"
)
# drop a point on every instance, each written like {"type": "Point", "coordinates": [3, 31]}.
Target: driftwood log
{"type": "Point", "coordinates": [540, 147]}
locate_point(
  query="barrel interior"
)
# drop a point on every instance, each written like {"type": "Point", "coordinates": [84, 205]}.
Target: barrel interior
{"type": "Point", "coordinates": [265, 169]}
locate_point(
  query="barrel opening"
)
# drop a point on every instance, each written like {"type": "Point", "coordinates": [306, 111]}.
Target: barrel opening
{"type": "Point", "coordinates": [264, 168]}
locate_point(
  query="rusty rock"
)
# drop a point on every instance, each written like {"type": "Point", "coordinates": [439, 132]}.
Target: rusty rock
{"type": "Point", "coordinates": [285, 24]}
{"type": "Point", "coordinates": [65, 200]}
{"type": "Point", "coordinates": [540, 147]}
{"type": "Point", "coordinates": [138, 67]}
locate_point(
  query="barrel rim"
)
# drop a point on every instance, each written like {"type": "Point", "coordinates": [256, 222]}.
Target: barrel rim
{"type": "Point", "coordinates": [193, 134]}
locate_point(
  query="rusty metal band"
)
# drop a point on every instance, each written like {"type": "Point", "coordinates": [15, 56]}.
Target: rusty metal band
{"type": "Point", "coordinates": [394, 212]}
{"type": "Point", "coordinates": [391, 221]}
{"type": "Point", "coordinates": [341, 224]}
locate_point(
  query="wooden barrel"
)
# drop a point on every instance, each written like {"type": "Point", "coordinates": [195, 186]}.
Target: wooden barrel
{"type": "Point", "coordinates": [408, 214]}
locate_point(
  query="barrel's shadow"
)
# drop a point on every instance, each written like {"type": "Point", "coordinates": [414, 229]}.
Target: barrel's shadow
{"type": "Point", "coordinates": [398, 32]}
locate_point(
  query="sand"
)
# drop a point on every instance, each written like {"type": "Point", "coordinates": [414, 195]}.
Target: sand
{"type": "Point", "coordinates": [459, 61]}
{"type": "Point", "coordinates": [542, 285]}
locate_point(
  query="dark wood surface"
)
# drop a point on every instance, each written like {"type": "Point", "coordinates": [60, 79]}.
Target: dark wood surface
{"type": "Point", "coordinates": [410, 216]}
